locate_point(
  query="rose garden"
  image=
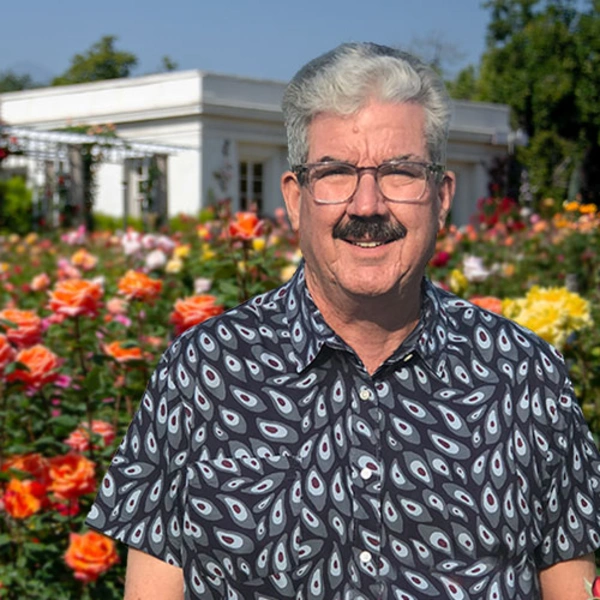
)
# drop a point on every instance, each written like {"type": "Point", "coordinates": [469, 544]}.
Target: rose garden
{"type": "Point", "coordinates": [85, 316]}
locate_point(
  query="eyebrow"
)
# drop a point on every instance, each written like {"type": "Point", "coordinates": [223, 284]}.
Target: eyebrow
{"type": "Point", "coordinates": [407, 157]}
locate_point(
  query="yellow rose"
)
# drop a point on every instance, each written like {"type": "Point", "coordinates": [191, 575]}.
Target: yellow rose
{"type": "Point", "coordinates": [182, 251]}
{"type": "Point", "coordinates": [258, 244]}
{"type": "Point", "coordinates": [287, 272]}
{"type": "Point", "coordinates": [174, 265]}
{"type": "Point", "coordinates": [207, 252]}
{"type": "Point", "coordinates": [458, 282]}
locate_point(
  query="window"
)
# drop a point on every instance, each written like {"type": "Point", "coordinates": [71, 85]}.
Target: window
{"type": "Point", "coordinates": [251, 186]}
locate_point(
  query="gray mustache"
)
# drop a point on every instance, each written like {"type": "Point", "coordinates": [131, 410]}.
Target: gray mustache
{"type": "Point", "coordinates": [371, 229]}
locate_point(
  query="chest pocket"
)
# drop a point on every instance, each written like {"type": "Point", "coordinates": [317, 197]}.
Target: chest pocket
{"type": "Point", "coordinates": [242, 517]}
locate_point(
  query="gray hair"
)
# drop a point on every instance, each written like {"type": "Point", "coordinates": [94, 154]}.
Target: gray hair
{"type": "Point", "coordinates": [343, 80]}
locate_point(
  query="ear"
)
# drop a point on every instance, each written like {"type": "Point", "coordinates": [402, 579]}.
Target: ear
{"type": "Point", "coordinates": [445, 195]}
{"type": "Point", "coordinates": [290, 188]}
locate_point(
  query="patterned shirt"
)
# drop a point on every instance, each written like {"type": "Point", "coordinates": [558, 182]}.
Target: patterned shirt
{"type": "Point", "coordinates": [268, 463]}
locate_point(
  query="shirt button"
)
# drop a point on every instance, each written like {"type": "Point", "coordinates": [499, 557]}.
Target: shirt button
{"type": "Point", "coordinates": [366, 473]}
{"type": "Point", "coordinates": [407, 357]}
{"type": "Point", "coordinates": [365, 556]}
{"type": "Point", "coordinates": [365, 394]}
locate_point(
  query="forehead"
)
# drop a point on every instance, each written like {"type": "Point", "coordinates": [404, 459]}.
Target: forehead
{"type": "Point", "coordinates": [378, 131]}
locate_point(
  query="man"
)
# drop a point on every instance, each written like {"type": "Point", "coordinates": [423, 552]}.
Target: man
{"type": "Point", "coordinates": [358, 433]}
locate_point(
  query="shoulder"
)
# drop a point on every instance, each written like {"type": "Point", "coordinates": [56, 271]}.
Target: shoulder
{"type": "Point", "coordinates": [246, 324]}
{"type": "Point", "coordinates": [497, 337]}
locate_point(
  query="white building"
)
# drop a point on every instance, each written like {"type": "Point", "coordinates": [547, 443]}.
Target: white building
{"type": "Point", "coordinates": [229, 136]}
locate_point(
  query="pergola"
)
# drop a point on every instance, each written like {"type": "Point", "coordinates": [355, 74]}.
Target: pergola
{"type": "Point", "coordinates": [56, 153]}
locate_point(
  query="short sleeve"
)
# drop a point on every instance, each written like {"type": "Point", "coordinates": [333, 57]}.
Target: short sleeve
{"type": "Point", "coordinates": [139, 501]}
{"type": "Point", "coordinates": [571, 505]}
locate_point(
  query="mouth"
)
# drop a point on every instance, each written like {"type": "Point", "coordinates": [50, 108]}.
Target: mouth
{"type": "Point", "coordinates": [369, 244]}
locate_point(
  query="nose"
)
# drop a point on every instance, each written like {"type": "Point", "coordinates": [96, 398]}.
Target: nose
{"type": "Point", "coordinates": [367, 200]}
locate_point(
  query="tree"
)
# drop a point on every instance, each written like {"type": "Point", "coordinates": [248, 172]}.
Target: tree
{"type": "Point", "coordinates": [102, 61]}
{"type": "Point", "coordinates": [12, 82]}
{"type": "Point", "coordinates": [543, 60]}
{"type": "Point", "coordinates": [167, 64]}
{"type": "Point", "coordinates": [464, 86]}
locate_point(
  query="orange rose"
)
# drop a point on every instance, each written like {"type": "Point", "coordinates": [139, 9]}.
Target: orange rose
{"type": "Point", "coordinates": [71, 476]}
{"type": "Point", "coordinates": [82, 258]}
{"type": "Point", "coordinates": [193, 310]}
{"type": "Point", "coordinates": [23, 498]}
{"type": "Point", "coordinates": [35, 464]}
{"type": "Point", "coordinates": [138, 285]}
{"type": "Point", "coordinates": [246, 226]}
{"type": "Point", "coordinates": [79, 440]}
{"type": "Point", "coordinates": [490, 303]}
{"type": "Point", "coordinates": [40, 282]}
{"type": "Point", "coordinates": [6, 352]}
{"type": "Point", "coordinates": [41, 364]}
{"type": "Point", "coordinates": [74, 297]}
{"type": "Point", "coordinates": [90, 555]}
{"type": "Point", "coordinates": [27, 329]}
{"type": "Point", "coordinates": [122, 353]}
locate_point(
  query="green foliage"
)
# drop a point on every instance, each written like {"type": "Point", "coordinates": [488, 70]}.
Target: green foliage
{"type": "Point", "coordinates": [551, 161]}
{"type": "Point", "coordinates": [543, 60]}
{"type": "Point", "coordinates": [168, 64]}
{"type": "Point", "coordinates": [104, 222]}
{"type": "Point", "coordinates": [13, 82]}
{"type": "Point", "coordinates": [464, 86]}
{"type": "Point", "coordinates": [102, 61]}
{"type": "Point", "coordinates": [15, 206]}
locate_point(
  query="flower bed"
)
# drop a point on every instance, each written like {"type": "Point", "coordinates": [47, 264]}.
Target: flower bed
{"type": "Point", "coordinates": [84, 319]}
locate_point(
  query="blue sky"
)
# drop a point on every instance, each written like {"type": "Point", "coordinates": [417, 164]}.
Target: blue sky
{"type": "Point", "coordinates": [260, 38]}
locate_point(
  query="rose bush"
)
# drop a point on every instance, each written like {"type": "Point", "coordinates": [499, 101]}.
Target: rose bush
{"type": "Point", "coordinates": [84, 320]}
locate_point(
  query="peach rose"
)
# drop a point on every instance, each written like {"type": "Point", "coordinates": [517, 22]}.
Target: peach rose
{"type": "Point", "coordinates": [246, 226]}
{"type": "Point", "coordinates": [136, 285]}
{"type": "Point", "coordinates": [90, 554]}
{"type": "Point", "coordinates": [71, 476]}
{"type": "Point", "coordinates": [193, 310]}
{"type": "Point", "coordinates": [7, 352]}
{"type": "Point", "coordinates": [23, 498]}
{"type": "Point", "coordinates": [82, 258]}
{"type": "Point", "coordinates": [24, 327]}
{"type": "Point", "coordinates": [41, 364]}
{"type": "Point", "coordinates": [123, 353]}
{"type": "Point", "coordinates": [116, 306]}
{"type": "Point", "coordinates": [74, 297]}
{"type": "Point", "coordinates": [490, 303]}
{"type": "Point", "coordinates": [79, 440]}
{"type": "Point", "coordinates": [40, 282]}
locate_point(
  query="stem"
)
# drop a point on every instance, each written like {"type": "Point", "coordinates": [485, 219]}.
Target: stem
{"type": "Point", "coordinates": [116, 411]}
{"type": "Point", "coordinates": [89, 410]}
{"type": "Point", "coordinates": [3, 413]}
{"type": "Point", "coordinates": [79, 347]}
{"type": "Point", "coordinates": [244, 278]}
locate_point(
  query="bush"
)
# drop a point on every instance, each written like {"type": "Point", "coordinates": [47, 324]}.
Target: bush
{"type": "Point", "coordinates": [16, 206]}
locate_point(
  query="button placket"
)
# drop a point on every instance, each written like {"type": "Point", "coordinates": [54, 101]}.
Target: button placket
{"type": "Point", "coordinates": [366, 476]}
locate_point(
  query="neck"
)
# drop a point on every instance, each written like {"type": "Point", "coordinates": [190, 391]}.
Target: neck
{"type": "Point", "coordinates": [372, 326]}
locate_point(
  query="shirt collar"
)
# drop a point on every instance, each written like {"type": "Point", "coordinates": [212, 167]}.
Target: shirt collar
{"type": "Point", "coordinates": [309, 332]}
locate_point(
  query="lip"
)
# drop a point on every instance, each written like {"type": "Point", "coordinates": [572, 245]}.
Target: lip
{"type": "Point", "coordinates": [368, 244]}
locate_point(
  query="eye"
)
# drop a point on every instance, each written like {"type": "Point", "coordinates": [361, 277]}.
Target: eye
{"type": "Point", "coordinates": [402, 170]}
{"type": "Point", "coordinates": [333, 170]}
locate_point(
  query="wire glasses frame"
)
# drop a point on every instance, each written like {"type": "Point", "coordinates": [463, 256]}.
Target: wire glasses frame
{"type": "Point", "coordinates": [335, 182]}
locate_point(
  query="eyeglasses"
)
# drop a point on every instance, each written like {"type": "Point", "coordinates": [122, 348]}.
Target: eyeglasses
{"type": "Point", "coordinates": [334, 182]}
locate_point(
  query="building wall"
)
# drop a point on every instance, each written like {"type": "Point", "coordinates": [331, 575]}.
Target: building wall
{"type": "Point", "coordinates": [217, 122]}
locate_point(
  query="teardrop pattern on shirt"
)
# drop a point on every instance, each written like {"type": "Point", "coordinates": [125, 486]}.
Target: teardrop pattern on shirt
{"type": "Point", "coordinates": [266, 463]}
